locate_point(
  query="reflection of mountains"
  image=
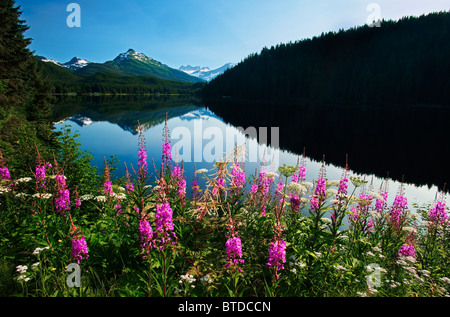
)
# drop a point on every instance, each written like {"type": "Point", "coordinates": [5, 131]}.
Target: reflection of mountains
{"type": "Point", "coordinates": [123, 111]}
{"type": "Point", "coordinates": [408, 140]}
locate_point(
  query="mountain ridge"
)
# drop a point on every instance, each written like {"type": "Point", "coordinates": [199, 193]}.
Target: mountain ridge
{"type": "Point", "coordinates": [130, 63]}
{"type": "Point", "coordinates": [206, 73]}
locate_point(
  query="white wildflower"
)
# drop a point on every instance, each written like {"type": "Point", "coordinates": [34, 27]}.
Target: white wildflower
{"type": "Point", "coordinates": [296, 188]}
{"type": "Point", "coordinates": [308, 184]}
{"type": "Point", "coordinates": [333, 183]}
{"type": "Point", "coordinates": [206, 279]}
{"type": "Point", "coordinates": [271, 175]}
{"type": "Point", "coordinates": [86, 197]}
{"type": "Point", "coordinates": [24, 180]}
{"type": "Point", "coordinates": [202, 171]}
{"type": "Point", "coordinates": [331, 192]}
{"type": "Point", "coordinates": [21, 268]}
{"type": "Point", "coordinates": [100, 198]}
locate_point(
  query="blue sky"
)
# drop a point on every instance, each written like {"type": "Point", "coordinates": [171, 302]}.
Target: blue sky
{"type": "Point", "coordinates": [196, 32]}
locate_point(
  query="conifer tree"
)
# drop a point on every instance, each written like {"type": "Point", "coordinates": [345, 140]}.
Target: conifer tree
{"type": "Point", "coordinates": [25, 102]}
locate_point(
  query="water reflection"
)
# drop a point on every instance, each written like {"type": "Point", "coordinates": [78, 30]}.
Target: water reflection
{"type": "Point", "coordinates": [407, 141]}
{"type": "Point", "coordinates": [109, 127]}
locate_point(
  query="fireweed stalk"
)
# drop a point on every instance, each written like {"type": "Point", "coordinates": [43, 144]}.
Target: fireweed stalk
{"type": "Point", "coordinates": [233, 247]}
{"type": "Point", "coordinates": [437, 225]}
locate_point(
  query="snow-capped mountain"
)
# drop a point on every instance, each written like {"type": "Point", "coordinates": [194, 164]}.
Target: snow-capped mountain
{"type": "Point", "coordinates": [132, 54]}
{"type": "Point", "coordinates": [48, 60]}
{"type": "Point", "coordinates": [76, 63]}
{"type": "Point", "coordinates": [205, 73]}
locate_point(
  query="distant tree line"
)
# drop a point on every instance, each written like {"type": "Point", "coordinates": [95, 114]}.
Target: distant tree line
{"type": "Point", "coordinates": [63, 81]}
{"type": "Point", "coordinates": [402, 62]}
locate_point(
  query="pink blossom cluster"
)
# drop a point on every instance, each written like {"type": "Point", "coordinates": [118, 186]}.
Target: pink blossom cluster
{"type": "Point", "coordinates": [277, 256]}
{"type": "Point", "coordinates": [438, 214]}
{"type": "Point", "coordinates": [407, 250]}
{"type": "Point", "coordinates": [79, 249]}
{"type": "Point", "coordinates": [234, 251]}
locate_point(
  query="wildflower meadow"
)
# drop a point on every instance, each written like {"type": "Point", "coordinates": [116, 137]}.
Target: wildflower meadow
{"type": "Point", "coordinates": [66, 231]}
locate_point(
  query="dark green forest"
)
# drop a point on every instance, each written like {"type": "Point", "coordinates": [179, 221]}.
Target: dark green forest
{"type": "Point", "coordinates": [400, 62]}
{"type": "Point", "coordinates": [64, 81]}
{"type": "Point", "coordinates": [25, 99]}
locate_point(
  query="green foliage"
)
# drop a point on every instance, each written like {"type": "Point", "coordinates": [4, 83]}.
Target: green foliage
{"type": "Point", "coordinates": [25, 103]}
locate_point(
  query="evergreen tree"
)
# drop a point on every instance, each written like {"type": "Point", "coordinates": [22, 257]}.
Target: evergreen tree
{"type": "Point", "coordinates": [25, 102]}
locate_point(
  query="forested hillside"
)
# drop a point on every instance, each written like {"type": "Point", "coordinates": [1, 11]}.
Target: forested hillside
{"type": "Point", "coordinates": [402, 62]}
{"type": "Point", "coordinates": [25, 100]}
{"type": "Point", "coordinates": [64, 81]}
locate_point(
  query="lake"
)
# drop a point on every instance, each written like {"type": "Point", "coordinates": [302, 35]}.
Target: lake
{"type": "Point", "coordinates": [375, 139]}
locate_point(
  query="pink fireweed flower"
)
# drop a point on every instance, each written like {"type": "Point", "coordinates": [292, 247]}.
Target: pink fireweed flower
{"type": "Point", "coordinates": [77, 202]}
{"type": "Point", "coordinates": [319, 194]}
{"type": "Point", "coordinates": [219, 187]}
{"type": "Point", "coordinates": [254, 189]}
{"type": "Point", "coordinates": [195, 189]}
{"type": "Point", "coordinates": [62, 202]}
{"type": "Point", "coordinates": [407, 250]}
{"type": "Point", "coordinates": [237, 178]}
{"type": "Point", "coordinates": [108, 188]}
{"type": "Point", "coordinates": [79, 249]}
{"type": "Point", "coordinates": [380, 203]}
{"type": "Point", "coordinates": [164, 222]}
{"type": "Point", "coordinates": [177, 172]}
{"type": "Point", "coordinates": [129, 187]}
{"type": "Point", "coordinates": [343, 186]}
{"type": "Point", "coordinates": [398, 208]}
{"type": "Point", "coordinates": [320, 187]}
{"type": "Point", "coordinates": [142, 162]}
{"type": "Point", "coordinates": [4, 173]}
{"type": "Point", "coordinates": [118, 208]}
{"type": "Point", "coordinates": [301, 173]}
{"type": "Point", "coordinates": [234, 251]}
{"type": "Point", "coordinates": [181, 188]}
{"type": "Point", "coordinates": [437, 214]}
{"type": "Point", "coordinates": [166, 154]}
{"type": "Point", "coordinates": [314, 203]}
{"type": "Point", "coordinates": [295, 201]}
{"type": "Point", "coordinates": [146, 235]}
{"type": "Point", "coordinates": [277, 256]}
{"type": "Point", "coordinates": [40, 176]}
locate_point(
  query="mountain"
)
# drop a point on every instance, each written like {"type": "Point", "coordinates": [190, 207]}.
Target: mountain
{"type": "Point", "coordinates": [66, 81]}
{"type": "Point", "coordinates": [76, 63]}
{"type": "Point", "coordinates": [48, 60]}
{"type": "Point", "coordinates": [401, 62]}
{"type": "Point", "coordinates": [130, 63]}
{"type": "Point", "coordinates": [205, 73]}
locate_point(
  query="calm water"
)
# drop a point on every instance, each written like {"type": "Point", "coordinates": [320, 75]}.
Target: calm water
{"type": "Point", "coordinates": [199, 136]}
